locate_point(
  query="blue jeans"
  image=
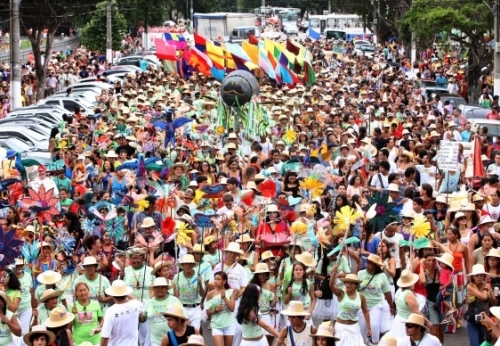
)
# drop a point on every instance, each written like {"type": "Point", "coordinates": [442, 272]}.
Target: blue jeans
{"type": "Point", "coordinates": [475, 333]}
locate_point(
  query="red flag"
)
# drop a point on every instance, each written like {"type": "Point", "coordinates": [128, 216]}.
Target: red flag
{"type": "Point", "coordinates": [292, 48]}
{"type": "Point", "coordinates": [478, 168]}
{"type": "Point", "coordinates": [200, 43]}
{"type": "Point", "coordinates": [253, 40]}
{"type": "Point", "coordinates": [200, 61]}
{"type": "Point", "coordinates": [165, 51]}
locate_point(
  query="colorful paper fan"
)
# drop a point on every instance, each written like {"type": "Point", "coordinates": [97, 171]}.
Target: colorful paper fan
{"type": "Point", "coordinates": [9, 245]}
{"type": "Point", "coordinates": [346, 217]}
{"type": "Point", "coordinates": [167, 226]}
{"type": "Point", "coordinates": [184, 235]}
{"type": "Point", "coordinates": [313, 187]}
{"type": "Point", "coordinates": [268, 188]}
{"type": "Point", "coordinates": [323, 239]}
{"type": "Point", "coordinates": [298, 228]}
{"type": "Point", "coordinates": [289, 137]}
{"type": "Point", "coordinates": [380, 211]}
{"type": "Point", "coordinates": [42, 203]}
{"type": "Point", "coordinates": [421, 227]}
{"type": "Point", "coordinates": [30, 251]}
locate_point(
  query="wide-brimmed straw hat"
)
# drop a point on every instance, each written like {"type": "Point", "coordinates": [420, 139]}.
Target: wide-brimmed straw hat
{"type": "Point", "coordinates": [50, 293]}
{"type": "Point", "coordinates": [159, 265]}
{"type": "Point", "coordinates": [485, 219]}
{"type": "Point", "coordinates": [148, 222]}
{"type": "Point", "coordinates": [118, 289]}
{"type": "Point", "coordinates": [478, 269]}
{"type": "Point", "coordinates": [417, 319]}
{"type": "Point", "coordinates": [233, 247]}
{"type": "Point", "coordinates": [447, 259]}
{"type": "Point", "coordinates": [245, 238]}
{"type": "Point", "coordinates": [89, 261]}
{"type": "Point", "coordinates": [407, 279]}
{"type": "Point", "coordinates": [187, 259]}
{"type": "Point", "coordinates": [295, 308]}
{"type": "Point", "coordinates": [49, 277]}
{"type": "Point", "coordinates": [59, 317]}
{"type": "Point", "coordinates": [388, 340]}
{"type": "Point", "coordinates": [198, 248]}
{"type": "Point", "coordinates": [493, 253]}
{"type": "Point", "coordinates": [272, 208]}
{"type": "Point", "coordinates": [307, 259]}
{"type": "Point", "coordinates": [261, 268]}
{"type": "Point", "coordinates": [161, 282]}
{"type": "Point", "coordinates": [176, 310]}
{"type": "Point", "coordinates": [351, 278]}
{"type": "Point", "coordinates": [325, 330]}
{"type": "Point", "coordinates": [181, 165]}
{"type": "Point", "coordinates": [266, 255]}
{"type": "Point", "coordinates": [458, 216]}
{"type": "Point", "coordinates": [375, 260]}
{"type": "Point", "coordinates": [40, 329]}
{"type": "Point", "coordinates": [194, 340]}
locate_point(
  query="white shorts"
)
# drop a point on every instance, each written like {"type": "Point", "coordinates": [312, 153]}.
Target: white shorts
{"type": "Point", "coordinates": [223, 331]}
{"type": "Point", "coordinates": [194, 316]}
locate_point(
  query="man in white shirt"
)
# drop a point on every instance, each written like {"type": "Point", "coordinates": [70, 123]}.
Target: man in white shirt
{"type": "Point", "coordinates": [494, 168]}
{"type": "Point", "coordinates": [493, 208]}
{"type": "Point", "coordinates": [42, 179]}
{"type": "Point", "coordinates": [380, 181]}
{"type": "Point", "coordinates": [452, 134]}
{"type": "Point", "coordinates": [383, 155]}
{"type": "Point", "coordinates": [428, 172]}
{"type": "Point", "coordinates": [121, 320]}
{"type": "Point", "coordinates": [51, 84]}
{"type": "Point", "coordinates": [417, 333]}
{"type": "Point", "coordinates": [227, 209]}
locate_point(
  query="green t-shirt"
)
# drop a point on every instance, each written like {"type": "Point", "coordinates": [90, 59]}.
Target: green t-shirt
{"type": "Point", "coordinates": [373, 290]}
{"type": "Point", "coordinates": [153, 309]}
{"type": "Point", "coordinates": [62, 183]}
{"type": "Point", "coordinates": [297, 294]}
{"type": "Point", "coordinates": [5, 333]}
{"type": "Point", "coordinates": [13, 294]}
{"type": "Point", "coordinates": [26, 285]}
{"type": "Point", "coordinates": [187, 288]}
{"type": "Point", "coordinates": [94, 289]}
{"type": "Point", "coordinates": [86, 320]}
{"type": "Point", "coordinates": [42, 288]}
{"type": "Point", "coordinates": [224, 318]}
{"type": "Point", "coordinates": [265, 299]}
{"type": "Point", "coordinates": [43, 313]}
{"type": "Point", "coordinates": [205, 271]}
{"type": "Point", "coordinates": [135, 277]}
{"type": "Point", "coordinates": [66, 203]}
{"type": "Point", "coordinates": [212, 259]}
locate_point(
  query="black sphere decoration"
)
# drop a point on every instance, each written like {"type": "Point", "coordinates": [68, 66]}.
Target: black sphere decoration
{"type": "Point", "coordinates": [238, 88]}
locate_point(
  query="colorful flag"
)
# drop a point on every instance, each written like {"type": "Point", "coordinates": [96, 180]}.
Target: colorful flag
{"type": "Point", "coordinates": [309, 74]}
{"type": "Point", "coordinates": [176, 40]}
{"type": "Point", "coordinates": [291, 47]}
{"type": "Point", "coordinates": [313, 34]}
{"type": "Point", "coordinates": [251, 51]}
{"type": "Point", "coordinates": [253, 40]}
{"type": "Point", "coordinates": [200, 61]}
{"type": "Point", "coordinates": [265, 64]}
{"type": "Point", "coordinates": [165, 51]}
{"type": "Point", "coordinates": [200, 43]}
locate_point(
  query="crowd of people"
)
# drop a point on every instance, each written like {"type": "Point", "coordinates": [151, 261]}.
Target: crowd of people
{"type": "Point", "coordinates": [156, 225]}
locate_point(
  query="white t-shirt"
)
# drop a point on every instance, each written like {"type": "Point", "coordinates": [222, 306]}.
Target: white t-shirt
{"type": "Point", "coordinates": [425, 174]}
{"type": "Point", "coordinates": [376, 181]}
{"type": "Point", "coordinates": [121, 323]}
{"type": "Point", "coordinates": [394, 241]}
{"type": "Point", "coordinates": [493, 211]}
{"type": "Point", "coordinates": [493, 169]}
{"type": "Point", "coordinates": [428, 340]}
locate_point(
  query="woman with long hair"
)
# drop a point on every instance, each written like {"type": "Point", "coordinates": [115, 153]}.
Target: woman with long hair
{"type": "Point", "coordinates": [234, 171]}
{"type": "Point", "coordinates": [326, 307]}
{"type": "Point", "coordinates": [108, 251]}
{"type": "Point", "coordinates": [301, 289]}
{"type": "Point", "coordinates": [389, 268]}
{"type": "Point", "coordinates": [220, 304]}
{"type": "Point", "coordinates": [250, 320]}
{"type": "Point", "coordinates": [479, 254]}
{"type": "Point", "coordinates": [492, 267]}
{"type": "Point", "coordinates": [206, 171]}
{"type": "Point", "coordinates": [10, 285]}
{"type": "Point", "coordinates": [267, 298]}
{"type": "Point", "coordinates": [58, 323]}
{"type": "Point", "coordinates": [73, 225]}
{"type": "Point", "coordinates": [9, 325]}
{"type": "Point", "coordinates": [432, 285]}
{"type": "Point", "coordinates": [88, 316]}
{"type": "Point", "coordinates": [290, 184]}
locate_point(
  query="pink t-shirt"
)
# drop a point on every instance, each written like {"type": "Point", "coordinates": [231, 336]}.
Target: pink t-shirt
{"type": "Point", "coordinates": [445, 275]}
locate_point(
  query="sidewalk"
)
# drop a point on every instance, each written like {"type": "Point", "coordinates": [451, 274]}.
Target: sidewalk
{"type": "Point", "coordinates": [57, 45]}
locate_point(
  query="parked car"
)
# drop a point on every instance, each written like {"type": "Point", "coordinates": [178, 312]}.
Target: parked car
{"type": "Point", "coordinates": [136, 60]}
{"type": "Point", "coordinates": [455, 99]}
{"type": "Point", "coordinates": [474, 111]}
{"type": "Point", "coordinates": [492, 125]}
{"type": "Point", "coordinates": [429, 91]}
{"type": "Point", "coordinates": [34, 138]}
{"type": "Point", "coordinates": [50, 113]}
{"type": "Point", "coordinates": [42, 156]}
{"type": "Point", "coordinates": [99, 85]}
{"type": "Point", "coordinates": [70, 103]}
{"type": "Point", "coordinates": [28, 121]}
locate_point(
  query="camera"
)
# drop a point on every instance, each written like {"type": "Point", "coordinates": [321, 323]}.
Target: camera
{"type": "Point", "coordinates": [478, 318]}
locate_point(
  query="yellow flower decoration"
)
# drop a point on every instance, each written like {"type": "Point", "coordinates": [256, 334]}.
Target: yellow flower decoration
{"type": "Point", "coordinates": [311, 210]}
{"type": "Point", "coordinates": [142, 205]}
{"type": "Point", "coordinates": [298, 228]}
{"type": "Point", "coordinates": [220, 130]}
{"type": "Point", "coordinates": [313, 186]}
{"type": "Point", "coordinates": [183, 234]}
{"type": "Point", "coordinates": [290, 136]}
{"type": "Point", "coordinates": [345, 217]}
{"type": "Point", "coordinates": [421, 227]}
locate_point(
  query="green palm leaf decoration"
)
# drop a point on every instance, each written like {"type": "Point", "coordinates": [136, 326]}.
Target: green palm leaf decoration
{"type": "Point", "coordinates": [380, 211]}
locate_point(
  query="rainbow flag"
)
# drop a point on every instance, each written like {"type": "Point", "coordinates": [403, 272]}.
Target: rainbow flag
{"type": "Point", "coordinates": [176, 40]}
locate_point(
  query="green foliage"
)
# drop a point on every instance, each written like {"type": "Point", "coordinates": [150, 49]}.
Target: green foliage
{"type": "Point", "coordinates": [154, 12]}
{"type": "Point", "coordinates": [94, 32]}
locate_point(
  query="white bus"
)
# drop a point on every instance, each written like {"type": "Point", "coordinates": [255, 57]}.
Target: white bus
{"type": "Point", "coordinates": [347, 35]}
{"type": "Point", "coordinates": [335, 21]}
{"type": "Point", "coordinates": [274, 11]}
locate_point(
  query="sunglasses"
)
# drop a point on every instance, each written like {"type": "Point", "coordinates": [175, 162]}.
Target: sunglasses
{"type": "Point", "coordinates": [410, 326]}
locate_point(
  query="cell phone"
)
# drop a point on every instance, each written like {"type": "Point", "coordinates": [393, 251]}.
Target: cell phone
{"type": "Point", "coordinates": [478, 318]}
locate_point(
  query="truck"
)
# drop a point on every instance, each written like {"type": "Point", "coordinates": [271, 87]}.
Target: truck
{"type": "Point", "coordinates": [233, 27]}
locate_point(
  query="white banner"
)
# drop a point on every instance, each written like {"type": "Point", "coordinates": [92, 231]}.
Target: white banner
{"type": "Point", "coordinates": [447, 157]}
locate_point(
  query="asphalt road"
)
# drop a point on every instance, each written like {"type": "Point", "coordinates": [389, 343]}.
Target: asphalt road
{"type": "Point", "coordinates": [458, 339]}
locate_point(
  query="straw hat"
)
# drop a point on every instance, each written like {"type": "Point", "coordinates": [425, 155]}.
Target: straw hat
{"type": "Point", "coordinates": [49, 277]}
{"type": "Point", "coordinates": [48, 294]}
{"type": "Point", "coordinates": [478, 269]}
{"type": "Point", "coordinates": [409, 214]}
{"type": "Point", "coordinates": [388, 340]}
{"type": "Point", "coordinates": [485, 219]}
{"type": "Point", "coordinates": [493, 253]}
{"type": "Point", "coordinates": [477, 198]}
{"type": "Point", "coordinates": [194, 340]}
{"type": "Point", "coordinates": [89, 261]}
{"type": "Point", "coordinates": [441, 199]}
{"type": "Point", "coordinates": [272, 208]}
{"type": "Point", "coordinates": [111, 154]}
{"type": "Point", "coordinates": [186, 259]}
{"type": "Point", "coordinates": [233, 247]}
{"type": "Point", "coordinates": [44, 244]}
{"type": "Point", "coordinates": [458, 216]}
{"type": "Point", "coordinates": [351, 278]}
{"type": "Point", "coordinates": [148, 222]}
{"type": "Point", "coordinates": [261, 268]}
{"type": "Point", "coordinates": [4, 296]}
{"type": "Point", "coordinates": [118, 289]}
{"type": "Point", "coordinates": [59, 317]}
{"type": "Point", "coordinates": [468, 207]}
{"type": "Point", "coordinates": [39, 330]}
{"type": "Point", "coordinates": [307, 259]}
{"type": "Point", "coordinates": [325, 330]}
{"type": "Point", "coordinates": [175, 165]}
{"type": "Point", "coordinates": [416, 319]}
{"type": "Point", "coordinates": [198, 248]}
{"type": "Point", "coordinates": [159, 265]}
{"type": "Point", "coordinates": [20, 262]}
{"type": "Point", "coordinates": [295, 308]}
{"type": "Point", "coordinates": [375, 260]}
{"type": "Point", "coordinates": [266, 255]}
{"type": "Point", "coordinates": [407, 279]}
{"type": "Point", "coordinates": [393, 187]}
{"type": "Point", "coordinates": [245, 238]}
{"type": "Point", "coordinates": [446, 258]}
{"type": "Point", "coordinates": [175, 310]}
{"type": "Point", "coordinates": [210, 239]}
{"type": "Point", "coordinates": [162, 282]}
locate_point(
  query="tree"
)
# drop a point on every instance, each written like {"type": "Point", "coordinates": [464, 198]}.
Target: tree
{"type": "Point", "coordinates": [466, 23]}
{"type": "Point", "coordinates": [94, 32]}
{"type": "Point", "coordinates": [40, 16]}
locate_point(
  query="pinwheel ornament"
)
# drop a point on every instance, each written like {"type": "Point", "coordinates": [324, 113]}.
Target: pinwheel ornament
{"type": "Point", "coordinates": [42, 204]}
{"type": "Point", "coordinates": [380, 212]}
{"type": "Point", "coordinates": [345, 217]}
{"type": "Point", "coordinates": [184, 235]}
{"type": "Point", "coordinates": [312, 187]}
{"type": "Point", "coordinates": [112, 223]}
{"type": "Point", "coordinates": [30, 251]}
{"type": "Point", "coordinates": [9, 245]}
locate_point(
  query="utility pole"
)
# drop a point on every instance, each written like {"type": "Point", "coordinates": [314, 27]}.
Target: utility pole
{"type": "Point", "coordinates": [263, 15]}
{"type": "Point", "coordinates": [375, 22]}
{"type": "Point", "coordinates": [496, 55]}
{"type": "Point", "coordinates": [15, 56]}
{"type": "Point", "coordinates": [109, 35]}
